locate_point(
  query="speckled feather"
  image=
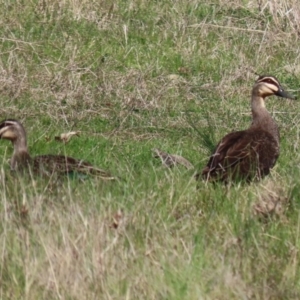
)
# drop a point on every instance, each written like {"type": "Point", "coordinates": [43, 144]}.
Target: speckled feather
{"type": "Point", "coordinates": [47, 164]}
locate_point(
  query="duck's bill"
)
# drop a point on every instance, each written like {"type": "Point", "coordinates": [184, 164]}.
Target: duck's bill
{"type": "Point", "coordinates": [282, 93]}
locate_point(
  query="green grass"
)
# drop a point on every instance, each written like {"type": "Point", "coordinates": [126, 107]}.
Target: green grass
{"type": "Point", "coordinates": [132, 76]}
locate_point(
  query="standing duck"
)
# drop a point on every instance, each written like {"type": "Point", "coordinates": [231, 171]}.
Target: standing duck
{"type": "Point", "coordinates": [44, 165]}
{"type": "Point", "coordinates": [249, 154]}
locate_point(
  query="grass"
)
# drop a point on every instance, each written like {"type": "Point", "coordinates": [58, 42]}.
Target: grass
{"type": "Point", "coordinates": [132, 76]}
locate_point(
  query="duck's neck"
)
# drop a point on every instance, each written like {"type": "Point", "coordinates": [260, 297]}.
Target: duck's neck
{"type": "Point", "coordinates": [20, 159]}
{"type": "Point", "coordinates": [262, 118]}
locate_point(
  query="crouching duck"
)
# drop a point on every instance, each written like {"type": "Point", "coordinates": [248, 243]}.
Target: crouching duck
{"type": "Point", "coordinates": [43, 165]}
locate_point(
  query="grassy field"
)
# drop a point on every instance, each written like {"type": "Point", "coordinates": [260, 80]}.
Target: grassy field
{"type": "Point", "coordinates": [132, 76]}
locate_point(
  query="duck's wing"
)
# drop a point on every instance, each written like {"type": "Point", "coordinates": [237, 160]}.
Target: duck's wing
{"type": "Point", "coordinates": [46, 165]}
{"type": "Point", "coordinates": [242, 154]}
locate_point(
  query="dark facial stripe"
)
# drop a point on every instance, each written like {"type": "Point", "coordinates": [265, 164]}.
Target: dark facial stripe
{"type": "Point", "coordinates": [269, 79]}
{"type": "Point", "coordinates": [7, 122]}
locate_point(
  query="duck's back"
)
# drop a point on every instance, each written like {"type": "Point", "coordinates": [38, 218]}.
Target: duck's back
{"type": "Point", "coordinates": [244, 155]}
{"type": "Point", "coordinates": [46, 165]}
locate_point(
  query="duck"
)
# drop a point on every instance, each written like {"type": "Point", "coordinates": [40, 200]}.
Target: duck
{"type": "Point", "coordinates": [171, 160]}
{"type": "Point", "coordinates": [43, 165]}
{"type": "Point", "coordinates": [250, 154]}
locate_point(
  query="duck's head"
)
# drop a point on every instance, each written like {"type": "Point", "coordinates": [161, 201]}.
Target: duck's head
{"type": "Point", "coordinates": [267, 85]}
{"type": "Point", "coordinates": [12, 130]}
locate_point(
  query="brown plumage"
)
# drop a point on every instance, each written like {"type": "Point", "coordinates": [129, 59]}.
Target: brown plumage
{"type": "Point", "coordinates": [43, 165]}
{"type": "Point", "coordinates": [249, 154]}
{"type": "Point", "coordinates": [171, 160]}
